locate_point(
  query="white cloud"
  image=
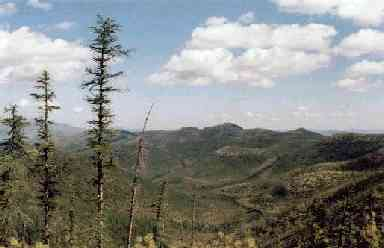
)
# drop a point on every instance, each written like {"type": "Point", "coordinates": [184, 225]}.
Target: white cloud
{"type": "Point", "coordinates": [362, 12]}
{"type": "Point", "coordinates": [39, 4]}
{"type": "Point", "coordinates": [247, 18]}
{"type": "Point", "coordinates": [362, 76]}
{"type": "Point", "coordinates": [223, 52]}
{"type": "Point", "coordinates": [63, 26]}
{"type": "Point", "coordinates": [366, 68]}
{"type": "Point", "coordinates": [361, 84]}
{"type": "Point", "coordinates": [8, 8]}
{"type": "Point", "coordinates": [306, 6]}
{"type": "Point", "coordinates": [214, 20]}
{"type": "Point", "coordinates": [24, 54]}
{"type": "Point", "coordinates": [232, 35]}
{"type": "Point", "coordinates": [364, 42]}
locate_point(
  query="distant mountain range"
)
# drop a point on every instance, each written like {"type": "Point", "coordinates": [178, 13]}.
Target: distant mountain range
{"type": "Point", "coordinates": [62, 130]}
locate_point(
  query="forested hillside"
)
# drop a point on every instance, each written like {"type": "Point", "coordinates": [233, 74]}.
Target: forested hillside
{"type": "Point", "coordinates": [219, 186]}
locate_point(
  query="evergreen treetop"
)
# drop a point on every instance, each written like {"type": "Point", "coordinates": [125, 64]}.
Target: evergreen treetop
{"type": "Point", "coordinates": [15, 142]}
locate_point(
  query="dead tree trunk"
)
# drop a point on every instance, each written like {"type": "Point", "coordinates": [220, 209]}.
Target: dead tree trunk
{"type": "Point", "coordinates": [135, 183]}
{"type": "Point", "coordinates": [134, 192]}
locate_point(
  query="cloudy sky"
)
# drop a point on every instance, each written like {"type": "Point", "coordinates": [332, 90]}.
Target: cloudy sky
{"type": "Point", "coordinates": [278, 64]}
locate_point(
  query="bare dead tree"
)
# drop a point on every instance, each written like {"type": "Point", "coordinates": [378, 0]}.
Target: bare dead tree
{"type": "Point", "coordinates": [140, 161]}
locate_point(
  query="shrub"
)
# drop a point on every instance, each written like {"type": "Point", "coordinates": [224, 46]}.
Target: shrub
{"type": "Point", "coordinates": [279, 191]}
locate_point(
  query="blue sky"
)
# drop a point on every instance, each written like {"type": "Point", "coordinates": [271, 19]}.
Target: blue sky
{"type": "Point", "coordinates": [277, 64]}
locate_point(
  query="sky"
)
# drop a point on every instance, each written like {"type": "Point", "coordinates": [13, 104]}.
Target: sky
{"type": "Point", "coordinates": [277, 64]}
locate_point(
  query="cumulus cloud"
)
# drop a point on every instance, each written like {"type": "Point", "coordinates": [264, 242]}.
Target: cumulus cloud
{"type": "Point", "coordinates": [361, 84]}
{"type": "Point", "coordinates": [232, 35]}
{"type": "Point", "coordinates": [364, 42]}
{"type": "Point", "coordinates": [366, 68]}
{"type": "Point", "coordinates": [24, 54]}
{"type": "Point", "coordinates": [362, 76]}
{"type": "Point", "coordinates": [362, 12]}
{"type": "Point", "coordinates": [224, 52]}
{"type": "Point", "coordinates": [8, 8]}
{"type": "Point", "coordinates": [39, 4]}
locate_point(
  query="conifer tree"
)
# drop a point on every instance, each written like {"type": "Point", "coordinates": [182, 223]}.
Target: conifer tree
{"type": "Point", "coordinates": [106, 49]}
{"type": "Point", "coordinates": [45, 168]}
{"type": "Point", "coordinates": [14, 144]}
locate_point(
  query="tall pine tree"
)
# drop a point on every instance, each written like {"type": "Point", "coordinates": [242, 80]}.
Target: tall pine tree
{"type": "Point", "coordinates": [106, 49]}
{"type": "Point", "coordinates": [45, 168]}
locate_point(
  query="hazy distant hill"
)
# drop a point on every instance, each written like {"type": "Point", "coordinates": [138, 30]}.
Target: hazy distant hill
{"type": "Point", "coordinates": [61, 132]}
{"type": "Point", "coordinates": [360, 131]}
{"type": "Point", "coordinates": [222, 152]}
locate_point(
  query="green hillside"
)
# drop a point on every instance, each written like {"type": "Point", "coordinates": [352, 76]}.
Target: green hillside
{"type": "Point", "coordinates": [247, 178]}
{"type": "Point", "coordinates": [272, 184]}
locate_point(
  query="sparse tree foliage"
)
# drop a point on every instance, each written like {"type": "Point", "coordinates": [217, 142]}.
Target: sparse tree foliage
{"type": "Point", "coordinates": [106, 49]}
{"type": "Point", "coordinates": [45, 169]}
